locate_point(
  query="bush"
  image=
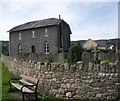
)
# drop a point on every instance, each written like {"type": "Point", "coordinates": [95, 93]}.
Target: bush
{"type": "Point", "coordinates": [75, 53]}
{"type": "Point", "coordinates": [5, 85]}
{"type": "Point", "coordinates": [96, 61]}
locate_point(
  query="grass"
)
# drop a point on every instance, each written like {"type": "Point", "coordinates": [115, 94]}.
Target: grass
{"type": "Point", "coordinates": [6, 75]}
{"type": "Point", "coordinates": [0, 81]}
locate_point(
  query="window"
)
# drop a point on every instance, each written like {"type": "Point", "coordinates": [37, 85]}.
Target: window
{"type": "Point", "coordinates": [46, 48]}
{"type": "Point", "coordinates": [46, 33]}
{"type": "Point", "coordinates": [19, 48]}
{"type": "Point", "coordinates": [33, 50]}
{"type": "Point", "coordinates": [20, 36]}
{"type": "Point", "coordinates": [33, 34]}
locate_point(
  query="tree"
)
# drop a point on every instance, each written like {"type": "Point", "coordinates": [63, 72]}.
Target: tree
{"type": "Point", "coordinates": [5, 48]}
{"type": "Point", "coordinates": [75, 53]}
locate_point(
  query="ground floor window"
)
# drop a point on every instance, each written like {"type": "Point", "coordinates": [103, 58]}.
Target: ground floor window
{"type": "Point", "coordinates": [33, 49]}
{"type": "Point", "coordinates": [19, 48]}
{"type": "Point", "coordinates": [46, 48]}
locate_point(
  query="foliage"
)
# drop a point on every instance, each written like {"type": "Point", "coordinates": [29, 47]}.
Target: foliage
{"type": "Point", "coordinates": [49, 98]}
{"type": "Point", "coordinates": [96, 61]}
{"type": "Point", "coordinates": [66, 61]}
{"type": "Point", "coordinates": [26, 54]}
{"type": "Point", "coordinates": [49, 59]}
{"type": "Point", "coordinates": [60, 50]}
{"type": "Point", "coordinates": [46, 60]}
{"type": "Point", "coordinates": [75, 53]}
{"type": "Point", "coordinates": [52, 98]}
{"type": "Point", "coordinates": [5, 48]}
{"type": "Point", "coordinates": [106, 57]}
{"type": "Point", "coordinates": [5, 84]}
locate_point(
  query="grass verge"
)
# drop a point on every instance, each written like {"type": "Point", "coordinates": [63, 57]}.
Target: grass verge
{"type": "Point", "coordinates": [6, 75]}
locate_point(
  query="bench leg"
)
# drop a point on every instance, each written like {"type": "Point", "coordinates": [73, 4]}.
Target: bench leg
{"type": "Point", "coordinates": [36, 97]}
{"type": "Point", "coordinates": [10, 88]}
{"type": "Point", "coordinates": [23, 97]}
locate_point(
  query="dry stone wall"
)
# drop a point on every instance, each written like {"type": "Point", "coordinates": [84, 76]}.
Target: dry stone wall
{"type": "Point", "coordinates": [99, 81]}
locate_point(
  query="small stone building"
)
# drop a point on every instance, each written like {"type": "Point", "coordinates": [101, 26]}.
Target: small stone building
{"type": "Point", "coordinates": [40, 39]}
{"type": "Point", "coordinates": [89, 44]}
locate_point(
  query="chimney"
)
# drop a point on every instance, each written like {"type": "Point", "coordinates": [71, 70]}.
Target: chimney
{"type": "Point", "coordinates": [59, 17]}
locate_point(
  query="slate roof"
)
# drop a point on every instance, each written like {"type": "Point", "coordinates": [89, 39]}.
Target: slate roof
{"type": "Point", "coordinates": [102, 43]}
{"type": "Point", "coordinates": [115, 41]}
{"type": "Point", "coordinates": [36, 24]}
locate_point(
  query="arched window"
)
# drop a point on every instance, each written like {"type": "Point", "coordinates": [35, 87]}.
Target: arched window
{"type": "Point", "coordinates": [46, 33]}
{"type": "Point", "coordinates": [19, 48]}
{"type": "Point", "coordinates": [33, 50]}
{"type": "Point", "coordinates": [46, 48]}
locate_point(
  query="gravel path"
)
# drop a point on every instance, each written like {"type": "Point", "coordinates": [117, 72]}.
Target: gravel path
{"type": "Point", "coordinates": [17, 96]}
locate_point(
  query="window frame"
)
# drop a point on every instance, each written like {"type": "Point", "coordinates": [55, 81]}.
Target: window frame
{"type": "Point", "coordinates": [19, 48]}
{"type": "Point", "coordinates": [33, 34]}
{"type": "Point", "coordinates": [20, 36]}
{"type": "Point", "coordinates": [46, 32]}
{"type": "Point", "coordinates": [46, 47]}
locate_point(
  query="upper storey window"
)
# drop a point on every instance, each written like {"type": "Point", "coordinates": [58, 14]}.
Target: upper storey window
{"type": "Point", "coordinates": [20, 36]}
{"type": "Point", "coordinates": [46, 33]}
{"type": "Point", "coordinates": [33, 34]}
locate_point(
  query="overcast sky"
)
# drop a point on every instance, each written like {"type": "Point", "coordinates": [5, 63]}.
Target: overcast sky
{"type": "Point", "coordinates": [95, 20]}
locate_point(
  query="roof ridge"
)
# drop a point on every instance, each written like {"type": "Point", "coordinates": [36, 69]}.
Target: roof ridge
{"type": "Point", "coordinates": [43, 19]}
{"type": "Point", "coordinates": [36, 24]}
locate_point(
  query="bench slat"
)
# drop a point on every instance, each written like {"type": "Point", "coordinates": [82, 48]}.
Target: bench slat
{"type": "Point", "coordinates": [25, 82]}
{"type": "Point", "coordinates": [29, 78]}
{"type": "Point", "coordinates": [18, 86]}
{"type": "Point", "coordinates": [27, 90]}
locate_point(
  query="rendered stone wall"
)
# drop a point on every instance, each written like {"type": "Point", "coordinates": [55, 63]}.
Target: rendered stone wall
{"type": "Point", "coordinates": [99, 81]}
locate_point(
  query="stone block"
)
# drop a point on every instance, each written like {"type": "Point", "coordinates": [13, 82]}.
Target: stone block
{"type": "Point", "coordinates": [91, 66]}
{"type": "Point", "coordinates": [61, 91]}
{"type": "Point", "coordinates": [61, 68]}
{"type": "Point", "coordinates": [104, 67]}
{"type": "Point", "coordinates": [99, 95]}
{"type": "Point", "coordinates": [79, 66]}
{"type": "Point", "coordinates": [69, 94]}
{"type": "Point", "coordinates": [72, 68]}
{"type": "Point", "coordinates": [117, 66]}
{"type": "Point", "coordinates": [112, 68]}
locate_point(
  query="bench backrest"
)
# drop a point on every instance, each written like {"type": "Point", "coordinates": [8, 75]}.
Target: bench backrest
{"type": "Point", "coordinates": [29, 79]}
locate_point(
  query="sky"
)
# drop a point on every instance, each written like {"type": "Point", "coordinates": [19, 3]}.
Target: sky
{"type": "Point", "coordinates": [95, 20]}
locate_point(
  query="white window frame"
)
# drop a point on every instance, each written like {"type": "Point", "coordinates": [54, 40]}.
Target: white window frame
{"type": "Point", "coordinates": [33, 34]}
{"type": "Point", "coordinates": [19, 48]}
{"type": "Point", "coordinates": [20, 36]}
{"type": "Point", "coordinates": [46, 33]}
{"type": "Point", "coordinates": [46, 48]}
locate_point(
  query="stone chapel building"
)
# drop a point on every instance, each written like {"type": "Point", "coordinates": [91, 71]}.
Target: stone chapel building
{"type": "Point", "coordinates": [37, 40]}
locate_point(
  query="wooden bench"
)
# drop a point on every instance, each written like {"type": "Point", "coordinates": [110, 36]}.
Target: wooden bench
{"type": "Point", "coordinates": [26, 84]}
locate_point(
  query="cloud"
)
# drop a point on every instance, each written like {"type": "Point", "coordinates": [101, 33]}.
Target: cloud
{"type": "Point", "coordinates": [15, 13]}
{"type": "Point", "coordinates": [98, 20]}
{"type": "Point", "coordinates": [85, 18]}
